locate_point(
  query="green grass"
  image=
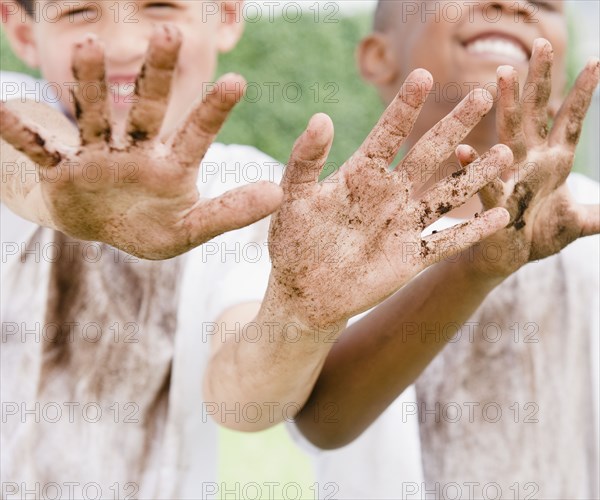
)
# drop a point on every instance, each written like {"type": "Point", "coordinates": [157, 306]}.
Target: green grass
{"type": "Point", "coordinates": [262, 458]}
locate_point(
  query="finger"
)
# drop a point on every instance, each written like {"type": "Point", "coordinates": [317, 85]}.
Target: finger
{"type": "Point", "coordinates": [308, 157]}
{"type": "Point", "coordinates": [537, 93]}
{"type": "Point", "coordinates": [509, 115]}
{"type": "Point", "coordinates": [233, 210]}
{"type": "Point", "coordinates": [26, 139]}
{"type": "Point", "coordinates": [90, 95]}
{"type": "Point", "coordinates": [384, 141]}
{"type": "Point", "coordinates": [466, 155]}
{"type": "Point", "coordinates": [450, 242]}
{"type": "Point", "coordinates": [423, 160]}
{"type": "Point", "coordinates": [570, 117]}
{"type": "Point", "coordinates": [590, 218]}
{"type": "Point", "coordinates": [153, 85]}
{"type": "Point", "coordinates": [455, 190]}
{"type": "Point", "coordinates": [493, 193]}
{"type": "Point", "coordinates": [197, 133]}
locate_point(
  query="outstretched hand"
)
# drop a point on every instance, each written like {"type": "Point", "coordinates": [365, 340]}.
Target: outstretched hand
{"type": "Point", "coordinates": [345, 244]}
{"type": "Point", "coordinates": [138, 191]}
{"type": "Point", "coordinates": [544, 218]}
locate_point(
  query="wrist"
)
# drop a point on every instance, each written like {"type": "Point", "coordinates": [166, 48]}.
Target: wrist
{"type": "Point", "coordinates": [286, 312]}
{"type": "Point", "coordinates": [475, 271]}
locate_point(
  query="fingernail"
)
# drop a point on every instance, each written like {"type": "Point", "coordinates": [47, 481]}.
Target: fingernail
{"type": "Point", "coordinates": [541, 44]}
{"type": "Point", "coordinates": [424, 74]}
{"type": "Point", "coordinates": [505, 71]}
{"type": "Point", "coordinates": [168, 32]}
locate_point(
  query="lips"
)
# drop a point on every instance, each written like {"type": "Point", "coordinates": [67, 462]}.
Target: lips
{"type": "Point", "coordinates": [121, 87]}
{"type": "Point", "coordinates": [498, 45]}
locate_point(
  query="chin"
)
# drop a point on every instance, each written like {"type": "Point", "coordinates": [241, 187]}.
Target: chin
{"type": "Point", "coordinates": [482, 77]}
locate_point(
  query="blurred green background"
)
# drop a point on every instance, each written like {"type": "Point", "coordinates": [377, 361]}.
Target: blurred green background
{"type": "Point", "coordinates": [286, 89]}
{"type": "Point", "coordinates": [326, 74]}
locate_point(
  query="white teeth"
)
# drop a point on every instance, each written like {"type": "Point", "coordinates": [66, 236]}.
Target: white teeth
{"type": "Point", "coordinates": [497, 46]}
{"type": "Point", "coordinates": [122, 89]}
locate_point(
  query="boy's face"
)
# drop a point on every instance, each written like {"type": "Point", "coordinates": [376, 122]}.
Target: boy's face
{"type": "Point", "coordinates": [464, 42]}
{"type": "Point", "coordinates": [125, 28]}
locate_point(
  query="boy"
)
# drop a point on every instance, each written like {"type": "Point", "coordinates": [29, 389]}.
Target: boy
{"type": "Point", "coordinates": [155, 442]}
{"type": "Point", "coordinates": [509, 408]}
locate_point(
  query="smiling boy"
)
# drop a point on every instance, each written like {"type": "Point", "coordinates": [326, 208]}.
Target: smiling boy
{"type": "Point", "coordinates": [509, 408]}
{"type": "Point", "coordinates": [108, 333]}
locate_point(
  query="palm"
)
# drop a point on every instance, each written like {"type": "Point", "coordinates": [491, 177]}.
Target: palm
{"type": "Point", "coordinates": [556, 224]}
{"type": "Point", "coordinates": [544, 216]}
{"type": "Point", "coordinates": [137, 191]}
{"type": "Point", "coordinates": [343, 245]}
{"type": "Point", "coordinates": [145, 192]}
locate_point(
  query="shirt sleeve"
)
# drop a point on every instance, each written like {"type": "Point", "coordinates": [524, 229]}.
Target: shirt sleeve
{"type": "Point", "coordinates": [237, 263]}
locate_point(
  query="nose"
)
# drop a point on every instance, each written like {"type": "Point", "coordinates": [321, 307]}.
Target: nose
{"type": "Point", "coordinates": [126, 44]}
{"type": "Point", "coordinates": [522, 10]}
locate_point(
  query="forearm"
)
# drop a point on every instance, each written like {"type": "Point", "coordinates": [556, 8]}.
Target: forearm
{"type": "Point", "coordinates": [263, 372]}
{"type": "Point", "coordinates": [377, 358]}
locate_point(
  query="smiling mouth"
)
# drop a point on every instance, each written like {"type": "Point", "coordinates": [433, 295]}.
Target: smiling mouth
{"type": "Point", "coordinates": [500, 46]}
{"type": "Point", "coordinates": [122, 90]}
{"type": "Point", "coordinates": [121, 87]}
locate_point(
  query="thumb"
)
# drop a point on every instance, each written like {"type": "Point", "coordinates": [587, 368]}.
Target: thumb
{"type": "Point", "coordinates": [235, 209]}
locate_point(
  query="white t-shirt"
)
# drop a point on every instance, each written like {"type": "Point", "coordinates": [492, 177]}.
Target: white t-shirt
{"type": "Point", "coordinates": [511, 414]}
{"type": "Point", "coordinates": [103, 354]}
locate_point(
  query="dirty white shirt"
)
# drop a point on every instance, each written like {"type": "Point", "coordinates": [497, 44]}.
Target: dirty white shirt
{"type": "Point", "coordinates": [103, 354]}
{"type": "Point", "coordinates": [507, 410]}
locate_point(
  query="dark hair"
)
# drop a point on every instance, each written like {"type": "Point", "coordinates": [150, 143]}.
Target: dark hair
{"type": "Point", "coordinates": [28, 5]}
{"type": "Point", "coordinates": [381, 19]}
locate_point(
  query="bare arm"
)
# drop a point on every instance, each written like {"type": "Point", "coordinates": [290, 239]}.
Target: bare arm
{"type": "Point", "coordinates": [378, 357]}
{"type": "Point", "coordinates": [375, 360]}
{"type": "Point", "coordinates": [343, 245]}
